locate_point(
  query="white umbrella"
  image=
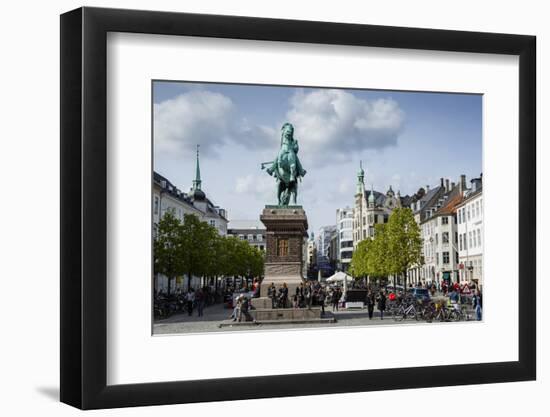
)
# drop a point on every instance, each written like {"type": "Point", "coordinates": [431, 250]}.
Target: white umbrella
{"type": "Point", "coordinates": [340, 277]}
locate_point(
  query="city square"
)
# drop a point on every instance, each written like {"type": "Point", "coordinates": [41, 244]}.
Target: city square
{"type": "Point", "coordinates": [389, 258]}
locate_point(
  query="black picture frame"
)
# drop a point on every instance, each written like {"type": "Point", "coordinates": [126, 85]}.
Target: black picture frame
{"type": "Point", "coordinates": [84, 207]}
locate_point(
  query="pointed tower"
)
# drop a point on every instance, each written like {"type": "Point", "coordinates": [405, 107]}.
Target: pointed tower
{"type": "Point", "coordinates": [197, 195]}
{"type": "Point", "coordinates": [372, 198]}
{"type": "Point", "coordinates": [360, 179]}
{"type": "Point", "coordinates": [359, 208]}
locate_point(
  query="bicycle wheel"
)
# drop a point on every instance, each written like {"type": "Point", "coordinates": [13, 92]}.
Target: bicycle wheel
{"type": "Point", "coordinates": [399, 314]}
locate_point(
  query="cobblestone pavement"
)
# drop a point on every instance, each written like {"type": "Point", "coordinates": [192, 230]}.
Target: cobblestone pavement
{"type": "Point", "coordinates": [213, 315]}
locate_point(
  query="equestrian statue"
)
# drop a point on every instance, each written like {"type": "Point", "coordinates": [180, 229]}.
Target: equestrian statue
{"type": "Point", "coordinates": [286, 168]}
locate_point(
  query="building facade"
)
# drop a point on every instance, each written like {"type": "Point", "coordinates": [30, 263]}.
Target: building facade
{"type": "Point", "coordinates": [252, 231]}
{"type": "Point", "coordinates": [438, 227]}
{"type": "Point", "coordinates": [373, 207]}
{"type": "Point", "coordinates": [344, 224]}
{"type": "Point", "coordinates": [470, 234]}
{"type": "Point", "coordinates": [323, 241]}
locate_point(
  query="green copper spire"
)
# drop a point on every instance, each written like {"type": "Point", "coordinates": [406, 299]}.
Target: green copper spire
{"type": "Point", "coordinates": [371, 196]}
{"type": "Point", "coordinates": [197, 181]}
{"type": "Point", "coordinates": [360, 179]}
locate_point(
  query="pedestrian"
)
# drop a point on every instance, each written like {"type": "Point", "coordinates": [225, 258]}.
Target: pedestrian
{"type": "Point", "coordinates": [190, 298]}
{"type": "Point", "coordinates": [335, 299]}
{"type": "Point", "coordinates": [200, 300]}
{"type": "Point", "coordinates": [245, 305]}
{"type": "Point", "coordinates": [284, 295]}
{"type": "Point", "coordinates": [477, 303]}
{"type": "Point", "coordinates": [321, 299]}
{"type": "Point", "coordinates": [236, 309]}
{"type": "Point", "coordinates": [272, 293]}
{"type": "Point", "coordinates": [370, 303]}
{"type": "Point", "coordinates": [308, 295]}
{"type": "Point", "coordinates": [381, 304]}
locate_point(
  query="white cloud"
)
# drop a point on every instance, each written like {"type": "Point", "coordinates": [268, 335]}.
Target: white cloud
{"type": "Point", "coordinates": [260, 187]}
{"type": "Point", "coordinates": [208, 119]}
{"type": "Point", "coordinates": [196, 117]}
{"type": "Point", "coordinates": [337, 124]}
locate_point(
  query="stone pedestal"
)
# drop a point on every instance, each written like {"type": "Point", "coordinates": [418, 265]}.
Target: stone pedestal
{"type": "Point", "coordinates": [286, 230]}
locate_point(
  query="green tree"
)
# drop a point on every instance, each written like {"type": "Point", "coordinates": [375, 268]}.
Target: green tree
{"type": "Point", "coordinates": [404, 242]}
{"type": "Point", "coordinates": [197, 244]}
{"type": "Point", "coordinates": [377, 263]}
{"type": "Point", "coordinates": [167, 249]}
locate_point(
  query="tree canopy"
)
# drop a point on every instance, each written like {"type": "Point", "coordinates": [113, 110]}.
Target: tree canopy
{"type": "Point", "coordinates": [194, 248]}
{"type": "Point", "coordinates": [395, 247]}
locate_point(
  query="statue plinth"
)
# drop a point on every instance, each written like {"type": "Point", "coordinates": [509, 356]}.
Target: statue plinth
{"type": "Point", "coordinates": [286, 228]}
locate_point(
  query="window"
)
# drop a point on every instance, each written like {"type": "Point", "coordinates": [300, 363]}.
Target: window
{"type": "Point", "coordinates": [477, 208]}
{"type": "Point", "coordinates": [445, 237]}
{"type": "Point", "coordinates": [478, 237]}
{"type": "Point", "coordinates": [437, 258]}
{"type": "Point", "coordinates": [456, 257]}
{"type": "Point", "coordinates": [156, 205]}
{"type": "Point", "coordinates": [282, 247]}
{"type": "Point", "coordinates": [262, 247]}
{"type": "Point", "coordinates": [459, 216]}
{"type": "Point", "coordinates": [444, 220]}
{"type": "Point", "coordinates": [260, 238]}
{"type": "Point", "coordinates": [445, 257]}
{"type": "Point", "coordinates": [213, 223]}
{"type": "Point", "coordinates": [470, 239]}
{"type": "Point", "coordinates": [436, 238]}
{"type": "Point", "coordinates": [460, 243]}
{"type": "Point", "coordinates": [465, 244]}
{"type": "Point", "coordinates": [241, 237]}
{"type": "Point", "coordinates": [468, 213]}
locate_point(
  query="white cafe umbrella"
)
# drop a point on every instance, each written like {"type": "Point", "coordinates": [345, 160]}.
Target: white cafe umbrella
{"type": "Point", "coordinates": [341, 277]}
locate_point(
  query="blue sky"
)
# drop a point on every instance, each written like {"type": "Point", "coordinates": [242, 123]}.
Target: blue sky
{"type": "Point", "coordinates": [405, 139]}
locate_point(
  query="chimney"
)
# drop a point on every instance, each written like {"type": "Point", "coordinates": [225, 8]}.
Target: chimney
{"type": "Point", "coordinates": [462, 183]}
{"type": "Point", "coordinates": [447, 185]}
{"type": "Point", "coordinates": [427, 188]}
{"type": "Point", "coordinates": [442, 182]}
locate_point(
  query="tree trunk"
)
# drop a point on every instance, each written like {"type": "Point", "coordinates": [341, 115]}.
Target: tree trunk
{"type": "Point", "coordinates": [189, 276]}
{"type": "Point", "coordinates": [169, 281]}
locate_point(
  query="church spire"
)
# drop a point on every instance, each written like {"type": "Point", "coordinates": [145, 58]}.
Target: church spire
{"type": "Point", "coordinates": [360, 179]}
{"type": "Point", "coordinates": [196, 193]}
{"type": "Point", "coordinates": [197, 181]}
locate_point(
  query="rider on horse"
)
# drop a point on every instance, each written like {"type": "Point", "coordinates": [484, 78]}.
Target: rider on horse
{"type": "Point", "coordinates": [287, 167]}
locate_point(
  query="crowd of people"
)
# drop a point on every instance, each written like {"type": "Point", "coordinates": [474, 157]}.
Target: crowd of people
{"type": "Point", "coordinates": [313, 293]}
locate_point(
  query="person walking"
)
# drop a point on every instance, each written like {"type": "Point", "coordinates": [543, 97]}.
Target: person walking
{"type": "Point", "coordinates": [200, 301]}
{"type": "Point", "coordinates": [308, 295]}
{"type": "Point", "coordinates": [477, 303]}
{"type": "Point", "coordinates": [382, 304]}
{"type": "Point", "coordinates": [335, 299]}
{"type": "Point", "coordinates": [190, 298]}
{"type": "Point", "coordinates": [321, 299]}
{"type": "Point", "coordinates": [370, 303]}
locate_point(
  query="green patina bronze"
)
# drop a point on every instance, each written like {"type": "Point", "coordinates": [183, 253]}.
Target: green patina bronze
{"type": "Point", "coordinates": [286, 168]}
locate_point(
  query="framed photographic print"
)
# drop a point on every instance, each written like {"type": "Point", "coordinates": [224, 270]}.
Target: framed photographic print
{"type": "Point", "coordinates": [239, 193]}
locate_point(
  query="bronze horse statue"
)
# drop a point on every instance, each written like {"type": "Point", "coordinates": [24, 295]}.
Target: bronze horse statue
{"type": "Point", "coordinates": [286, 168]}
